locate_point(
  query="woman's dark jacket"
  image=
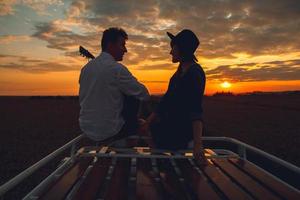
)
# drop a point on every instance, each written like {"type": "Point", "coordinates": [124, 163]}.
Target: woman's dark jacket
{"type": "Point", "coordinates": [178, 108]}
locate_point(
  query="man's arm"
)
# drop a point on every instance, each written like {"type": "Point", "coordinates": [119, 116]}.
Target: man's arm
{"type": "Point", "coordinates": [130, 86]}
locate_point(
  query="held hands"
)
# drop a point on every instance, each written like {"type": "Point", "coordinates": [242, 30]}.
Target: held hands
{"type": "Point", "coordinates": [145, 124]}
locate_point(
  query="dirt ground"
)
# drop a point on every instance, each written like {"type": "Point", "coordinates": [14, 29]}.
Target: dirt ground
{"type": "Point", "coordinates": [31, 127]}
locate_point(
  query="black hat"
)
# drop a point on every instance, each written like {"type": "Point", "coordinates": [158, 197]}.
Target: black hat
{"type": "Point", "coordinates": [187, 42]}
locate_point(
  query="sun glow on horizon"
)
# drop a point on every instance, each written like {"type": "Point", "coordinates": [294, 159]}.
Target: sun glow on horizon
{"type": "Point", "coordinates": [226, 85]}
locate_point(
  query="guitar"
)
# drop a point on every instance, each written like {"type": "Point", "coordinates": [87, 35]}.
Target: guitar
{"type": "Point", "coordinates": [85, 53]}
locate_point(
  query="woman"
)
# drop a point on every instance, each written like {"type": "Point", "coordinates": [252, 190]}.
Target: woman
{"type": "Point", "coordinates": [178, 117]}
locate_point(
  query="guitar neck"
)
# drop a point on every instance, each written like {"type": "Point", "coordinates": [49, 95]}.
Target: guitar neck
{"type": "Point", "coordinates": [85, 53]}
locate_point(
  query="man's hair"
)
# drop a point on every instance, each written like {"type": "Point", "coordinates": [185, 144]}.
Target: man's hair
{"type": "Point", "coordinates": [112, 35]}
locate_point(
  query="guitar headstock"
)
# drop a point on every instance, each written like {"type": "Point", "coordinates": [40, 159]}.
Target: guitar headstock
{"type": "Point", "coordinates": [85, 53]}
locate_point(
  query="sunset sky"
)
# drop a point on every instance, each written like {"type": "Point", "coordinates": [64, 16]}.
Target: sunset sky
{"type": "Point", "coordinates": [253, 45]}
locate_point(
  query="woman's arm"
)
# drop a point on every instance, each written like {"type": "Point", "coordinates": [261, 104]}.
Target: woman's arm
{"type": "Point", "coordinates": [151, 118]}
{"type": "Point", "coordinates": [198, 150]}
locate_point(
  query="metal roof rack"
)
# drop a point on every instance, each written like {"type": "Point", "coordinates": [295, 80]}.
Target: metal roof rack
{"type": "Point", "coordinates": [236, 170]}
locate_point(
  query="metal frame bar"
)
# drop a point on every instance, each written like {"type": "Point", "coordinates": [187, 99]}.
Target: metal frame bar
{"type": "Point", "coordinates": [35, 193]}
{"type": "Point", "coordinates": [242, 152]}
{"type": "Point", "coordinates": [152, 151]}
{"type": "Point", "coordinates": [243, 148]}
{"type": "Point", "coordinates": [30, 170]}
{"type": "Point", "coordinates": [142, 155]}
{"type": "Point", "coordinates": [276, 178]}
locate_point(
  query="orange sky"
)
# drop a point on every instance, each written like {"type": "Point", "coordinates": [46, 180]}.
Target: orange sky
{"type": "Point", "coordinates": [66, 83]}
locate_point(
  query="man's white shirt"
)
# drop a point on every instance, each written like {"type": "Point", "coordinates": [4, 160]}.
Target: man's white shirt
{"type": "Point", "coordinates": [103, 84]}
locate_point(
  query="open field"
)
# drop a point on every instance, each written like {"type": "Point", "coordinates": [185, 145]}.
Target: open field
{"type": "Point", "coordinates": [31, 128]}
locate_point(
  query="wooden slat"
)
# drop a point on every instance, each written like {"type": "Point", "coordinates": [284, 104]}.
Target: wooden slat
{"type": "Point", "coordinates": [94, 180]}
{"type": "Point", "coordinates": [170, 181]}
{"type": "Point", "coordinates": [229, 189]}
{"type": "Point", "coordinates": [210, 152]}
{"type": "Point", "coordinates": [143, 150]}
{"type": "Point", "coordinates": [63, 185]}
{"type": "Point", "coordinates": [118, 186]}
{"type": "Point", "coordinates": [146, 187]}
{"type": "Point", "coordinates": [280, 188]}
{"type": "Point", "coordinates": [256, 190]}
{"type": "Point", "coordinates": [201, 187]}
{"type": "Point", "coordinates": [103, 149]}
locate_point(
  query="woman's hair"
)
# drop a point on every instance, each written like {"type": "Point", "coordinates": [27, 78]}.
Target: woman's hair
{"type": "Point", "coordinates": [112, 35]}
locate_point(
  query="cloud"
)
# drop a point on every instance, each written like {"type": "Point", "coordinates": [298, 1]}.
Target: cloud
{"type": "Point", "coordinates": [230, 31]}
{"type": "Point", "coordinates": [6, 7]}
{"type": "Point", "coordinates": [29, 65]}
{"type": "Point", "coordinates": [145, 81]}
{"type": "Point", "coordinates": [276, 70]}
{"type": "Point", "coordinates": [76, 8]}
{"type": "Point", "coordinates": [5, 39]}
{"type": "Point", "coordinates": [224, 27]}
{"type": "Point", "coordinates": [163, 66]}
{"type": "Point", "coordinates": [61, 37]}
{"type": "Point", "coordinates": [40, 6]}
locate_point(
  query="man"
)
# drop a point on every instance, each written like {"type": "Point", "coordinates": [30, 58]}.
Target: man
{"type": "Point", "coordinates": [104, 86]}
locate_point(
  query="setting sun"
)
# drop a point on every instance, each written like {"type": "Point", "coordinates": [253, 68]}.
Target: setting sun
{"type": "Point", "coordinates": [225, 84]}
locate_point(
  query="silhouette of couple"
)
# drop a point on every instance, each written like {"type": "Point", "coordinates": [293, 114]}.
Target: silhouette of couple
{"type": "Point", "coordinates": [110, 96]}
